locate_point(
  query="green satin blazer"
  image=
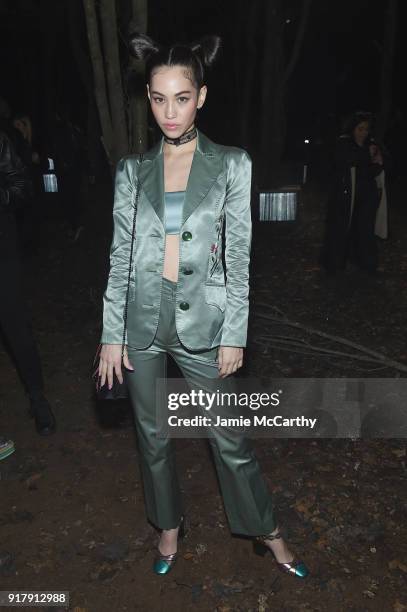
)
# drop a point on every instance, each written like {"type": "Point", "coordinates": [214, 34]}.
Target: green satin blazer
{"type": "Point", "coordinates": [211, 301]}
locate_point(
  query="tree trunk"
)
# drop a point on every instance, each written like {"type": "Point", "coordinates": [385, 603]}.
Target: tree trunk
{"type": "Point", "coordinates": [275, 75]}
{"type": "Point", "coordinates": [386, 76]}
{"type": "Point", "coordinates": [108, 21]}
{"type": "Point", "coordinates": [82, 59]}
{"type": "Point", "coordinates": [84, 66]}
{"type": "Point", "coordinates": [49, 67]}
{"type": "Point", "coordinates": [138, 134]}
{"type": "Point", "coordinates": [247, 80]}
{"type": "Point", "coordinates": [272, 79]}
{"type": "Point", "coordinates": [299, 39]}
{"type": "Point", "coordinates": [99, 78]}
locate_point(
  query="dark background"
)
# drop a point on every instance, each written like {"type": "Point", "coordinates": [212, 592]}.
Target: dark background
{"type": "Point", "coordinates": [337, 72]}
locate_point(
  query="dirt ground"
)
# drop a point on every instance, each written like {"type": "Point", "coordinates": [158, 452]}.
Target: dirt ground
{"type": "Point", "coordinates": [71, 506]}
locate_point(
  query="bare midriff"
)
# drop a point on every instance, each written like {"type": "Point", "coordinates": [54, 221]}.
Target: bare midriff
{"type": "Point", "coordinates": [176, 172]}
{"type": "Point", "coordinates": [171, 257]}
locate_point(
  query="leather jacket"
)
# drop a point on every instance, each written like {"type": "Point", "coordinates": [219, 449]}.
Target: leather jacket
{"type": "Point", "coordinates": [15, 184]}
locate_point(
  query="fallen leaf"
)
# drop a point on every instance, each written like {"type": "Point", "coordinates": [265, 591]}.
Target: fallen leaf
{"type": "Point", "coordinates": [397, 564]}
{"type": "Point", "coordinates": [188, 555]}
{"type": "Point", "coordinates": [303, 505]}
{"type": "Point", "coordinates": [30, 482]}
{"type": "Point", "coordinates": [321, 543]}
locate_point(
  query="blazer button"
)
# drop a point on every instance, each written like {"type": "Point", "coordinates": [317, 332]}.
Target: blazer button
{"type": "Point", "coordinates": [184, 305]}
{"type": "Point", "coordinates": [187, 271]}
{"type": "Point", "coordinates": [186, 236]}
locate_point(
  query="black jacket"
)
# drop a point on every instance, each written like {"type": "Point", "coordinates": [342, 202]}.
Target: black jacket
{"type": "Point", "coordinates": [15, 184]}
{"type": "Point", "coordinates": [347, 155]}
{"type": "Point", "coordinates": [15, 188]}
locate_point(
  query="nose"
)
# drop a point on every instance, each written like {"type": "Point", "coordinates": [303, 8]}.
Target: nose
{"type": "Point", "coordinates": [170, 112]}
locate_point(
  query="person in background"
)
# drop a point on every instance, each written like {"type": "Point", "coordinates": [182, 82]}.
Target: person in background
{"type": "Point", "coordinates": [22, 123]}
{"type": "Point", "coordinates": [28, 217]}
{"type": "Point", "coordinates": [15, 188]}
{"type": "Point", "coordinates": [357, 210]}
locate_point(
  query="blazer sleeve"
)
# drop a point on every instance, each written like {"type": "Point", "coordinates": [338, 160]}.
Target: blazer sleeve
{"type": "Point", "coordinates": [115, 295]}
{"type": "Point", "coordinates": [238, 235]}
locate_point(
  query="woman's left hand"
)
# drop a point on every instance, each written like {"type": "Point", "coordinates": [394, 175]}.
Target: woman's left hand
{"type": "Point", "coordinates": [230, 358]}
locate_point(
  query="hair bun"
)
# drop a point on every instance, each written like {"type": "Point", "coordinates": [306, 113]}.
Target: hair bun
{"type": "Point", "coordinates": [207, 48]}
{"type": "Point", "coordinates": [142, 46]}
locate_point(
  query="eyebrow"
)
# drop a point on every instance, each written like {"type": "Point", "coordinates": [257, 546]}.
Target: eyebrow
{"type": "Point", "coordinates": [188, 91]}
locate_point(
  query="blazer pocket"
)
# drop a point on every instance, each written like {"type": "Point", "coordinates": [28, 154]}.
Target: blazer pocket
{"type": "Point", "coordinates": [215, 295]}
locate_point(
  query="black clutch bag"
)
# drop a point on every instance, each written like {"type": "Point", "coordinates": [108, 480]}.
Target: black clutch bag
{"type": "Point", "coordinates": [118, 390]}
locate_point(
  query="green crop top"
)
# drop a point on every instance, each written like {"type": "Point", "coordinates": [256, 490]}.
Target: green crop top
{"type": "Point", "coordinates": [174, 201]}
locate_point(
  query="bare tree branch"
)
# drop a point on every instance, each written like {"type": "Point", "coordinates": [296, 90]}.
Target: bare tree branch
{"type": "Point", "coordinates": [114, 77]}
{"type": "Point", "coordinates": [376, 355]}
{"type": "Point", "coordinates": [140, 13]}
{"type": "Point", "coordinates": [82, 59]}
{"type": "Point", "coordinates": [386, 76]}
{"type": "Point", "coordinates": [138, 104]}
{"type": "Point", "coordinates": [306, 5]}
{"type": "Point", "coordinates": [247, 82]}
{"type": "Point", "coordinates": [305, 348]}
{"type": "Point", "coordinates": [99, 75]}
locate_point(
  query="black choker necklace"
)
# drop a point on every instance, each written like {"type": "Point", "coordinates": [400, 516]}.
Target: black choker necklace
{"type": "Point", "coordinates": [186, 137]}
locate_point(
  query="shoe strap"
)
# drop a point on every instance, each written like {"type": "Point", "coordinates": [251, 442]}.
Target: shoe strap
{"type": "Point", "coordinates": [169, 557]}
{"type": "Point", "coordinates": [172, 556]}
{"type": "Point", "coordinates": [291, 567]}
{"type": "Point", "coordinates": [269, 536]}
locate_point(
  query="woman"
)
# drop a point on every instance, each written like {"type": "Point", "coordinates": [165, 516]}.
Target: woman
{"type": "Point", "coordinates": [179, 301]}
{"type": "Point", "coordinates": [357, 206]}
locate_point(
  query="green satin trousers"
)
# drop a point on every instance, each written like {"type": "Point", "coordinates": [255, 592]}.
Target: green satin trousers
{"type": "Point", "coordinates": [246, 498]}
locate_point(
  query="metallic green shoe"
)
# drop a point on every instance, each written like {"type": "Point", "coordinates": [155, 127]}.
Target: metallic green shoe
{"type": "Point", "coordinates": [164, 563]}
{"type": "Point", "coordinates": [295, 567]}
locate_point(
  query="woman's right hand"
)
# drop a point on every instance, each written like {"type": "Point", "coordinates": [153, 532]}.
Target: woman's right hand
{"type": "Point", "coordinates": [110, 362]}
{"type": "Point", "coordinates": [376, 155]}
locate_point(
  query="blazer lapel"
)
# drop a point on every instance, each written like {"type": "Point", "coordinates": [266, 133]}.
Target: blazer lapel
{"type": "Point", "coordinates": [206, 166]}
{"type": "Point", "coordinates": [205, 169]}
{"type": "Point", "coordinates": [151, 176]}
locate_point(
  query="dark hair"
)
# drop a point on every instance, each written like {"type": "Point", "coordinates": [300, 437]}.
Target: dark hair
{"type": "Point", "coordinates": [195, 56]}
{"type": "Point", "coordinates": [358, 117]}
